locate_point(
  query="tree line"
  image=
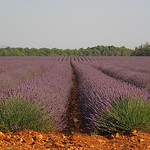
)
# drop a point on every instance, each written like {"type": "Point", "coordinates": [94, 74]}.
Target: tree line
{"type": "Point", "coordinates": [142, 50]}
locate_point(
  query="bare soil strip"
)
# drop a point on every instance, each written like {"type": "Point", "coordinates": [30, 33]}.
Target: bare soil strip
{"type": "Point", "coordinates": [74, 122]}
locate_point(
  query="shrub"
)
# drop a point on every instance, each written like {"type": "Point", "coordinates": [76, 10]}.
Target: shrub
{"type": "Point", "coordinates": [18, 113]}
{"type": "Point", "coordinates": [125, 115]}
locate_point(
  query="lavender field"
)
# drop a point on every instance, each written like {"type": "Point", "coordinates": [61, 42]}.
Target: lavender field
{"type": "Point", "coordinates": [103, 84]}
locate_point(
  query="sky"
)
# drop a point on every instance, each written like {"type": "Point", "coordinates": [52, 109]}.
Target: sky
{"type": "Point", "coordinates": [74, 23]}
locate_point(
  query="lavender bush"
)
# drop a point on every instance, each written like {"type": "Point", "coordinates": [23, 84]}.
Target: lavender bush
{"type": "Point", "coordinates": [124, 115]}
{"type": "Point", "coordinates": [18, 113]}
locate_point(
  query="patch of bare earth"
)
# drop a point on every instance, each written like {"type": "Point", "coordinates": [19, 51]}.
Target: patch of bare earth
{"type": "Point", "coordinates": [75, 141]}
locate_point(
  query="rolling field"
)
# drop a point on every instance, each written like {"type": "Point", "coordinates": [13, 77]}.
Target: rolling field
{"type": "Point", "coordinates": [90, 94]}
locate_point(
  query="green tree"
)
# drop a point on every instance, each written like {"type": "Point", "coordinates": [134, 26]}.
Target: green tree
{"type": "Point", "coordinates": [142, 50]}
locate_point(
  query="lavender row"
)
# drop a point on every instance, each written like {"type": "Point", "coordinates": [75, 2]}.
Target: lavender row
{"type": "Point", "coordinates": [139, 79]}
{"type": "Point", "coordinates": [97, 90]}
{"type": "Point", "coordinates": [84, 58]}
{"type": "Point", "coordinates": [51, 89]}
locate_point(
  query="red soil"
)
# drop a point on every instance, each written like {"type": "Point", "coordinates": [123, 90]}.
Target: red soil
{"type": "Point", "coordinates": [75, 141]}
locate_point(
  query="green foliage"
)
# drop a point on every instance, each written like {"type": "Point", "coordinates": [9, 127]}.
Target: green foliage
{"type": "Point", "coordinates": [18, 113]}
{"type": "Point", "coordinates": [125, 115]}
{"type": "Point", "coordinates": [90, 51]}
{"type": "Point", "coordinates": [142, 50]}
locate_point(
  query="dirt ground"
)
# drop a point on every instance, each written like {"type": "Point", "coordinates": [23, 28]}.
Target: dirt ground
{"type": "Point", "coordinates": [75, 141]}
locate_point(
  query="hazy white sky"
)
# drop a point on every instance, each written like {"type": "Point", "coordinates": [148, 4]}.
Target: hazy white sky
{"type": "Point", "coordinates": [74, 23]}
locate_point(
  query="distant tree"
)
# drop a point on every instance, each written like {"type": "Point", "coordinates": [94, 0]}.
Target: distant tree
{"type": "Point", "coordinates": [69, 52]}
{"type": "Point", "coordinates": [104, 53]}
{"type": "Point", "coordinates": [142, 50]}
{"type": "Point", "coordinates": [81, 52]}
{"type": "Point", "coordinates": [96, 52]}
{"type": "Point", "coordinates": [75, 52]}
{"type": "Point", "coordinates": [88, 52]}
{"type": "Point", "coordinates": [123, 51]}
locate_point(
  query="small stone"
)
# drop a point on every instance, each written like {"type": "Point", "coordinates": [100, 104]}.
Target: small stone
{"type": "Point", "coordinates": [148, 147]}
{"type": "Point", "coordinates": [39, 137]}
{"type": "Point", "coordinates": [7, 138]}
{"type": "Point", "coordinates": [132, 138]}
{"type": "Point", "coordinates": [134, 132]}
{"type": "Point", "coordinates": [92, 146]}
{"type": "Point", "coordinates": [112, 136]}
{"type": "Point", "coordinates": [117, 135]}
{"type": "Point", "coordinates": [75, 120]}
{"type": "Point", "coordinates": [100, 140]}
{"type": "Point", "coordinates": [32, 139]}
{"type": "Point", "coordinates": [1, 134]}
{"type": "Point", "coordinates": [141, 140]}
{"type": "Point", "coordinates": [59, 144]}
